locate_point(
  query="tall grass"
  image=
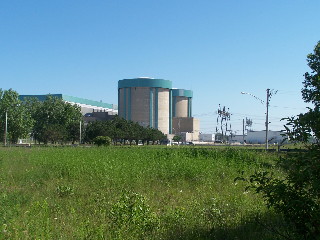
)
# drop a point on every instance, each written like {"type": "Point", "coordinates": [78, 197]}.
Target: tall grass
{"type": "Point", "coordinates": [131, 193]}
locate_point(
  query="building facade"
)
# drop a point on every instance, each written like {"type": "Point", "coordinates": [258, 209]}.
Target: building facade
{"type": "Point", "coordinates": [146, 101]}
{"type": "Point", "coordinates": [86, 105]}
{"type": "Point", "coordinates": [153, 103]}
{"type": "Point", "coordinates": [259, 137]}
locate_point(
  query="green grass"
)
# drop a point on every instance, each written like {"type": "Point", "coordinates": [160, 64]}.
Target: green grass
{"type": "Point", "coordinates": [132, 193]}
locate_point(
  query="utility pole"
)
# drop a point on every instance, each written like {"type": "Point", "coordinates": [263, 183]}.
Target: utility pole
{"type": "Point", "coordinates": [267, 118]}
{"type": "Point", "coordinates": [80, 133]}
{"type": "Point", "coordinates": [243, 130]}
{"type": "Point", "coordinates": [269, 93]}
{"type": "Point", "coordinates": [6, 130]}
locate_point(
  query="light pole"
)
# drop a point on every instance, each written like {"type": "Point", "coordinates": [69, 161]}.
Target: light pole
{"type": "Point", "coordinates": [267, 118]}
{"type": "Point", "coordinates": [80, 130]}
{"type": "Point", "coordinates": [267, 113]}
{"type": "Point", "coordinates": [243, 131]}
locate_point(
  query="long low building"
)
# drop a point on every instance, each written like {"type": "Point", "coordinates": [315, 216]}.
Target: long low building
{"type": "Point", "coordinates": [259, 137]}
{"type": "Point", "coordinates": [87, 106]}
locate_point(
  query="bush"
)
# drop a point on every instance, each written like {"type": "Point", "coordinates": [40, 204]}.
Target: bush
{"type": "Point", "coordinates": [296, 195]}
{"type": "Point", "coordinates": [132, 216]}
{"type": "Point", "coordinates": [102, 141]}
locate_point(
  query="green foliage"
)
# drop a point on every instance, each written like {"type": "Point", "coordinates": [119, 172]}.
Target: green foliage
{"type": "Point", "coordinates": [132, 215]}
{"type": "Point", "coordinates": [19, 121]}
{"type": "Point", "coordinates": [121, 130]}
{"type": "Point", "coordinates": [176, 138]}
{"type": "Point", "coordinates": [50, 121]}
{"type": "Point", "coordinates": [64, 191]}
{"type": "Point", "coordinates": [297, 194]}
{"type": "Point", "coordinates": [102, 141]}
{"type": "Point", "coordinates": [80, 193]}
{"type": "Point", "coordinates": [55, 120]}
{"type": "Point", "coordinates": [306, 126]}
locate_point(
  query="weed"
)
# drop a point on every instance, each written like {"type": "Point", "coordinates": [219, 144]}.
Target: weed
{"type": "Point", "coordinates": [77, 193]}
{"type": "Point", "coordinates": [64, 191]}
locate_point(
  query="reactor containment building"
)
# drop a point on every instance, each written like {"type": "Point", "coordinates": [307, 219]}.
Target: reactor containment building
{"type": "Point", "coordinates": [154, 103]}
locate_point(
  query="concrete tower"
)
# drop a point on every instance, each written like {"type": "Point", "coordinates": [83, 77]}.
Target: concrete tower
{"type": "Point", "coordinates": [181, 103]}
{"type": "Point", "coordinates": [147, 101]}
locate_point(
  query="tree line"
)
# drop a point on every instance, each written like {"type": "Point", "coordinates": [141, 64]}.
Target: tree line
{"type": "Point", "coordinates": [52, 120]}
{"type": "Point", "coordinates": [56, 121]}
{"type": "Point", "coordinates": [122, 131]}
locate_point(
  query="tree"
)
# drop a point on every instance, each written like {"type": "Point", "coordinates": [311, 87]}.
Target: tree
{"type": "Point", "coordinates": [176, 138]}
{"type": "Point", "coordinates": [55, 120]}
{"type": "Point", "coordinates": [19, 119]}
{"type": "Point", "coordinates": [102, 141]}
{"type": "Point", "coordinates": [121, 130]}
{"type": "Point", "coordinates": [297, 195]}
{"type": "Point", "coordinates": [95, 129]}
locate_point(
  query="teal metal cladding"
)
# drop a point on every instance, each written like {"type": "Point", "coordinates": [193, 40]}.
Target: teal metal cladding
{"type": "Point", "coordinates": [174, 99]}
{"type": "Point", "coordinates": [145, 82]}
{"type": "Point", "coordinates": [170, 111]}
{"type": "Point", "coordinates": [156, 108]}
{"type": "Point", "coordinates": [189, 107]}
{"type": "Point", "coordinates": [151, 108]}
{"type": "Point", "coordinates": [70, 99]}
{"type": "Point", "coordinates": [182, 93]}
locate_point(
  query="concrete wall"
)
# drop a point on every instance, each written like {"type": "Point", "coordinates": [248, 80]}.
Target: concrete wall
{"type": "Point", "coordinates": [140, 105]}
{"type": "Point", "coordinates": [146, 105]}
{"type": "Point", "coordinates": [121, 111]}
{"type": "Point", "coordinates": [190, 125]}
{"type": "Point", "coordinates": [163, 110]}
{"type": "Point", "coordinates": [180, 106]}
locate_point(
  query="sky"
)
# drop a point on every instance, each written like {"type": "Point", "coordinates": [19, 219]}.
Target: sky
{"type": "Point", "coordinates": [217, 49]}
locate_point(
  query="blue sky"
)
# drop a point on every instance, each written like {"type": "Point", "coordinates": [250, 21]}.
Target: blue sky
{"type": "Point", "coordinates": [215, 48]}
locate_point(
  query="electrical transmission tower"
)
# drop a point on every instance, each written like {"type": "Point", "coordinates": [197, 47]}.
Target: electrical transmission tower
{"type": "Point", "coordinates": [223, 121]}
{"type": "Point", "coordinates": [248, 124]}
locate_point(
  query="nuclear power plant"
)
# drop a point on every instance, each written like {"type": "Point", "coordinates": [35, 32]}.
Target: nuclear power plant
{"type": "Point", "coordinates": [154, 103]}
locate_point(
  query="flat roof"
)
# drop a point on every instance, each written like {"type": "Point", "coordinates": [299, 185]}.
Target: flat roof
{"type": "Point", "coordinates": [71, 99]}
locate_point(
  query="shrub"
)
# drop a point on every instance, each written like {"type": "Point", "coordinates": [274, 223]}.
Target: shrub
{"type": "Point", "coordinates": [102, 141]}
{"type": "Point", "coordinates": [131, 215]}
{"type": "Point", "coordinates": [296, 195]}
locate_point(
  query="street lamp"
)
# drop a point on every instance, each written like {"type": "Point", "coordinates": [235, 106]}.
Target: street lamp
{"type": "Point", "coordinates": [267, 113]}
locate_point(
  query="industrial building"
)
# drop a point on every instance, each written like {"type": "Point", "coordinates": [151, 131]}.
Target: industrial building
{"type": "Point", "coordinates": [183, 123]}
{"type": "Point", "coordinates": [87, 106]}
{"type": "Point", "coordinates": [152, 102]}
{"type": "Point", "coordinates": [206, 137]}
{"type": "Point", "coordinates": [259, 137]}
{"type": "Point", "coordinates": [146, 101]}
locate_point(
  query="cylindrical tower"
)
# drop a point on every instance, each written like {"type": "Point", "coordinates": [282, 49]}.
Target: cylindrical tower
{"type": "Point", "coordinates": [181, 103]}
{"type": "Point", "coordinates": [146, 101]}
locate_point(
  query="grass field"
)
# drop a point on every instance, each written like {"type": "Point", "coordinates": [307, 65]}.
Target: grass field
{"type": "Point", "coordinates": [132, 193]}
